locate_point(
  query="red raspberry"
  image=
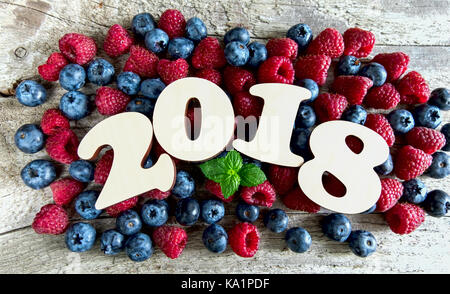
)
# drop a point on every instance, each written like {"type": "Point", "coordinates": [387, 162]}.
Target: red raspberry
{"type": "Point", "coordinates": [282, 178]}
{"type": "Point", "coordinates": [78, 48]}
{"type": "Point", "coordinates": [425, 139]}
{"type": "Point", "coordinates": [314, 67]}
{"type": "Point", "coordinates": [329, 42]}
{"type": "Point", "coordinates": [276, 69]}
{"type": "Point", "coordinates": [215, 189]}
{"type": "Point", "coordinates": [65, 190]}
{"type": "Point", "coordinates": [51, 219]}
{"type": "Point", "coordinates": [103, 167]}
{"type": "Point", "coordinates": [62, 146]}
{"type": "Point", "coordinates": [395, 64]}
{"type": "Point", "coordinates": [297, 200]}
{"type": "Point", "coordinates": [378, 123]}
{"type": "Point", "coordinates": [411, 163]}
{"type": "Point", "coordinates": [244, 239]}
{"type": "Point", "coordinates": [116, 209]}
{"type": "Point", "coordinates": [413, 89]}
{"type": "Point", "coordinates": [111, 101]}
{"type": "Point", "coordinates": [358, 42]}
{"type": "Point", "coordinates": [333, 186]}
{"type": "Point", "coordinates": [170, 71]}
{"type": "Point", "coordinates": [391, 191]}
{"type": "Point", "coordinates": [237, 79]}
{"type": "Point", "coordinates": [118, 41]}
{"type": "Point", "coordinates": [211, 75]}
{"type": "Point", "coordinates": [142, 62]}
{"type": "Point", "coordinates": [329, 106]}
{"type": "Point", "coordinates": [404, 218]}
{"type": "Point", "coordinates": [208, 54]}
{"type": "Point", "coordinates": [262, 195]}
{"type": "Point", "coordinates": [50, 70]}
{"type": "Point", "coordinates": [355, 144]}
{"type": "Point", "coordinates": [354, 88]}
{"type": "Point", "coordinates": [247, 105]}
{"type": "Point", "coordinates": [156, 194]}
{"type": "Point", "coordinates": [282, 47]}
{"type": "Point", "coordinates": [173, 23]}
{"type": "Point", "coordinates": [157, 150]}
{"type": "Point", "coordinates": [171, 240]}
{"type": "Point", "coordinates": [53, 120]}
{"type": "Point", "coordinates": [383, 97]}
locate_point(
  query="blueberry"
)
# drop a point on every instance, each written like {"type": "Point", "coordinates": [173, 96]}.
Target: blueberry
{"type": "Point", "coordinates": [356, 114]}
{"type": "Point", "coordinates": [427, 116]}
{"type": "Point", "coordinates": [141, 105]}
{"type": "Point", "coordinates": [302, 34]}
{"type": "Point", "coordinates": [246, 212]}
{"type": "Point", "coordinates": [187, 211]}
{"type": "Point", "coordinates": [31, 93]}
{"type": "Point", "coordinates": [112, 242]}
{"type": "Point", "coordinates": [148, 162]}
{"type": "Point", "coordinates": [156, 40]}
{"type": "Point", "coordinates": [128, 222]}
{"type": "Point", "coordinates": [142, 23]}
{"type": "Point", "coordinates": [306, 117]}
{"type": "Point", "coordinates": [100, 72]}
{"type": "Point", "coordinates": [440, 97]}
{"type": "Point", "coordinates": [237, 34]}
{"type": "Point", "coordinates": [184, 185]}
{"type": "Point", "coordinates": [336, 226]}
{"type": "Point", "coordinates": [82, 170]}
{"type": "Point", "coordinates": [180, 48]}
{"type": "Point", "coordinates": [85, 205]}
{"type": "Point", "coordinates": [74, 105]}
{"type": "Point", "coordinates": [196, 29]}
{"type": "Point", "coordinates": [151, 88]}
{"type": "Point", "coordinates": [414, 191]}
{"type": "Point", "coordinates": [236, 53]}
{"type": "Point", "coordinates": [370, 210]}
{"type": "Point", "coordinates": [139, 247]}
{"type": "Point", "coordinates": [80, 237]}
{"type": "Point", "coordinates": [376, 72]}
{"type": "Point", "coordinates": [300, 141]}
{"type": "Point", "coordinates": [212, 211]}
{"type": "Point", "coordinates": [348, 66]}
{"type": "Point", "coordinates": [298, 239]}
{"type": "Point", "coordinates": [386, 167]}
{"type": "Point", "coordinates": [446, 131]}
{"type": "Point", "coordinates": [155, 213]}
{"type": "Point", "coordinates": [437, 203]}
{"type": "Point", "coordinates": [362, 243]}
{"type": "Point", "coordinates": [257, 53]}
{"type": "Point", "coordinates": [72, 77]}
{"type": "Point", "coordinates": [215, 238]}
{"type": "Point", "coordinates": [128, 82]}
{"type": "Point", "coordinates": [440, 166]}
{"type": "Point", "coordinates": [38, 174]}
{"type": "Point", "coordinates": [249, 160]}
{"type": "Point", "coordinates": [276, 220]}
{"type": "Point", "coordinates": [311, 86]}
{"type": "Point", "coordinates": [401, 121]}
{"type": "Point", "coordinates": [29, 138]}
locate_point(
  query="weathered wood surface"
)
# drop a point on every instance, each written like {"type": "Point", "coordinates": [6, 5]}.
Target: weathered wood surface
{"type": "Point", "coordinates": [29, 33]}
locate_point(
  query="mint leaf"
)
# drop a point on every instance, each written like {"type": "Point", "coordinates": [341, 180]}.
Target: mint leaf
{"type": "Point", "coordinates": [230, 185]}
{"type": "Point", "coordinates": [215, 170]}
{"type": "Point", "coordinates": [251, 175]}
{"type": "Point", "coordinates": [233, 161]}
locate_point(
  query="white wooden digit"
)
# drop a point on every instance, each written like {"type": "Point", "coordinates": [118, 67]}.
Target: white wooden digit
{"type": "Point", "coordinates": [130, 135]}
{"type": "Point", "coordinates": [355, 171]}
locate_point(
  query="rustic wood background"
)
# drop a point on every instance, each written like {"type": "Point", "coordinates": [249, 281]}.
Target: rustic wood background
{"type": "Point", "coordinates": [29, 31]}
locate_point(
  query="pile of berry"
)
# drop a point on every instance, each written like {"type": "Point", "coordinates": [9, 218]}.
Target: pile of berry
{"type": "Point", "coordinates": [160, 53]}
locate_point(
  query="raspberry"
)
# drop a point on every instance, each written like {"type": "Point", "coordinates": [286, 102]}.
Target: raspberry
{"type": "Point", "coordinates": [116, 209]}
{"type": "Point", "coordinates": [158, 150]}
{"type": "Point", "coordinates": [329, 106]}
{"type": "Point", "coordinates": [262, 195]}
{"type": "Point", "coordinates": [276, 69]}
{"type": "Point", "coordinates": [51, 219]}
{"type": "Point", "coordinates": [358, 42]}
{"type": "Point", "coordinates": [65, 190]}
{"type": "Point", "coordinates": [156, 194]}
{"type": "Point", "coordinates": [53, 120]}
{"type": "Point", "coordinates": [391, 191]}
{"type": "Point", "coordinates": [354, 88]}
{"type": "Point", "coordinates": [329, 42]}
{"type": "Point", "coordinates": [297, 200]}
{"type": "Point", "coordinates": [333, 186]}
{"type": "Point", "coordinates": [404, 218]}
{"type": "Point", "coordinates": [171, 240]}
{"type": "Point", "coordinates": [383, 97]}
{"type": "Point", "coordinates": [173, 23]}
{"type": "Point", "coordinates": [214, 188]}
{"type": "Point", "coordinates": [118, 41]}
{"type": "Point", "coordinates": [237, 79]}
{"type": "Point", "coordinates": [378, 123]}
{"type": "Point", "coordinates": [282, 47]}
{"type": "Point", "coordinates": [314, 67]}
{"type": "Point", "coordinates": [78, 48]}
{"type": "Point", "coordinates": [170, 71]}
{"type": "Point", "coordinates": [62, 146]}
{"type": "Point", "coordinates": [142, 62]}
{"type": "Point", "coordinates": [103, 167]}
{"type": "Point", "coordinates": [282, 178]}
{"type": "Point", "coordinates": [50, 70]}
{"type": "Point", "coordinates": [395, 64]}
{"type": "Point", "coordinates": [355, 144]}
{"type": "Point", "coordinates": [413, 89]}
{"type": "Point", "coordinates": [425, 139]}
{"type": "Point", "coordinates": [247, 105]}
{"type": "Point", "coordinates": [411, 163]}
{"type": "Point", "coordinates": [244, 239]}
{"type": "Point", "coordinates": [211, 75]}
{"type": "Point", "coordinates": [208, 54]}
{"type": "Point", "coordinates": [111, 101]}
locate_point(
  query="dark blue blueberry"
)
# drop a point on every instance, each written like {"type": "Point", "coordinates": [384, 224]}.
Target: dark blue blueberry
{"type": "Point", "coordinates": [38, 174]}
{"type": "Point", "coordinates": [348, 66]}
{"type": "Point", "coordinates": [257, 53]}
{"type": "Point", "coordinates": [82, 170]}
{"type": "Point", "coordinates": [311, 86]}
{"type": "Point", "coordinates": [362, 243]}
{"type": "Point", "coordinates": [187, 211]}
{"type": "Point", "coordinates": [401, 121]}
{"type": "Point", "coordinates": [302, 34]}
{"type": "Point", "coordinates": [446, 131]}
{"type": "Point", "coordinates": [128, 82]}
{"type": "Point", "coordinates": [298, 239]}
{"type": "Point", "coordinates": [155, 213]}
{"type": "Point", "coordinates": [440, 166]}
{"type": "Point", "coordinates": [386, 167]}
{"type": "Point", "coordinates": [246, 212]}
{"type": "Point", "coordinates": [356, 114]}
{"type": "Point", "coordinates": [80, 237]}
{"type": "Point", "coordinates": [29, 138]}
{"type": "Point", "coordinates": [112, 242]}
{"type": "Point", "coordinates": [184, 185]}
{"type": "Point", "coordinates": [440, 97]}
{"type": "Point", "coordinates": [180, 48]}
{"type": "Point", "coordinates": [148, 162]}
{"type": "Point", "coordinates": [336, 226]}
{"type": "Point", "coordinates": [141, 105]}
{"type": "Point", "coordinates": [151, 88]}
{"type": "Point", "coordinates": [437, 203]}
{"type": "Point", "coordinates": [428, 116]}
{"type": "Point", "coordinates": [249, 160]}
{"type": "Point", "coordinates": [128, 222]}
{"type": "Point", "coordinates": [156, 40]}
{"type": "Point", "coordinates": [414, 191]}
{"type": "Point", "coordinates": [139, 247]}
{"type": "Point", "coordinates": [237, 34]}
{"type": "Point", "coordinates": [142, 23]}
{"type": "Point", "coordinates": [300, 141]}
{"type": "Point", "coordinates": [306, 117]}
{"type": "Point", "coordinates": [215, 238]}
{"type": "Point", "coordinates": [72, 77]}
{"type": "Point", "coordinates": [370, 210]}
{"type": "Point", "coordinates": [276, 220]}
{"type": "Point", "coordinates": [85, 205]}
{"type": "Point", "coordinates": [236, 53]}
{"type": "Point", "coordinates": [196, 29]}
{"type": "Point", "coordinates": [31, 93]}
{"type": "Point", "coordinates": [376, 72]}
{"type": "Point", "coordinates": [74, 105]}
{"type": "Point", "coordinates": [212, 211]}
{"type": "Point", "coordinates": [100, 72]}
